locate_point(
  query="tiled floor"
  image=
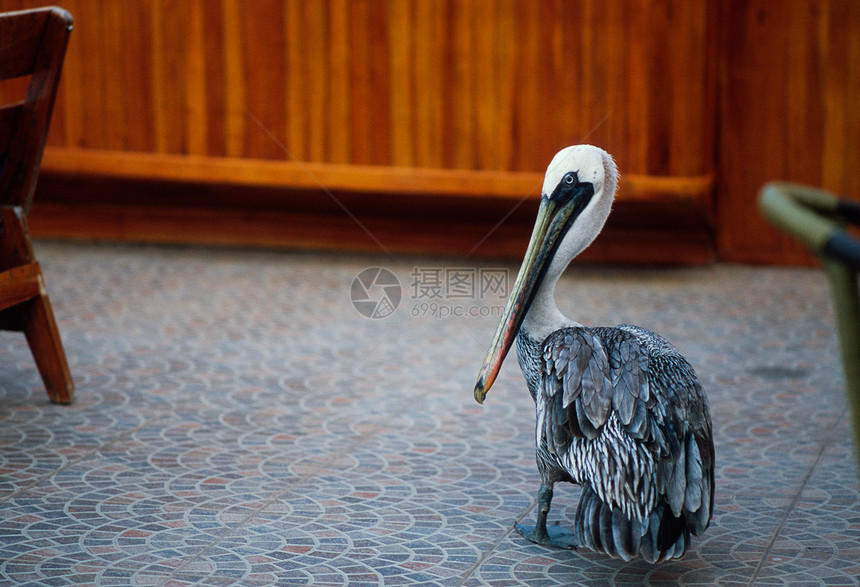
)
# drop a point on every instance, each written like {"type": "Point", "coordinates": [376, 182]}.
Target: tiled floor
{"type": "Point", "coordinates": [238, 422]}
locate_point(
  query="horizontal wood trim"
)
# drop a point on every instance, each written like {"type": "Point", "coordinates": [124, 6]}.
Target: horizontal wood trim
{"type": "Point", "coordinates": [145, 197]}
{"type": "Point", "coordinates": [621, 241]}
{"type": "Point", "coordinates": [352, 178]}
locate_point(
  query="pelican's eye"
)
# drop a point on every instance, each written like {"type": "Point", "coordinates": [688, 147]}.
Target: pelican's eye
{"type": "Point", "coordinates": [569, 179]}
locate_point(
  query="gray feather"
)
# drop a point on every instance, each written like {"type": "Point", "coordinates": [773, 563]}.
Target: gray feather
{"type": "Point", "coordinates": [571, 384]}
{"type": "Point", "coordinates": [623, 536]}
{"type": "Point", "coordinates": [593, 523]}
{"type": "Point", "coordinates": [693, 496]}
{"type": "Point", "coordinates": [588, 430]}
{"type": "Point", "coordinates": [579, 521]}
{"type": "Point", "coordinates": [558, 411]}
{"type": "Point", "coordinates": [560, 439]}
{"type": "Point", "coordinates": [644, 385]}
{"type": "Point", "coordinates": [638, 425]}
{"type": "Point", "coordinates": [648, 545]}
{"type": "Point", "coordinates": [606, 534]}
{"type": "Point", "coordinates": [677, 488]}
{"type": "Point", "coordinates": [623, 401]}
{"type": "Point", "coordinates": [703, 515]}
{"type": "Point", "coordinates": [596, 386]}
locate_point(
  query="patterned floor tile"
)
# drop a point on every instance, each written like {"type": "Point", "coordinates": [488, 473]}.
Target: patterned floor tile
{"type": "Point", "coordinates": [239, 422]}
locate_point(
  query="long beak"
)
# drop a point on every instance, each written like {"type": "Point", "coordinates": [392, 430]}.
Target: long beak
{"type": "Point", "coordinates": [549, 226]}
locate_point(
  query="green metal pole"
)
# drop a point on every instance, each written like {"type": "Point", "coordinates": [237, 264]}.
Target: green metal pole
{"type": "Point", "coordinates": [801, 211]}
{"type": "Point", "coordinates": [843, 282]}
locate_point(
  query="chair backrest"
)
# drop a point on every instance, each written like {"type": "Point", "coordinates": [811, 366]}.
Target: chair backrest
{"type": "Point", "coordinates": [32, 43]}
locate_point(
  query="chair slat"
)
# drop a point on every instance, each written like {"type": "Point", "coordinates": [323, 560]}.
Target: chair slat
{"type": "Point", "coordinates": [19, 285]}
{"type": "Point", "coordinates": [8, 123]}
{"type": "Point", "coordinates": [20, 38]}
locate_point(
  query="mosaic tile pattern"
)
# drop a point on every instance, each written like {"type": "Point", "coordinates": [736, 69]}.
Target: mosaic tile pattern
{"type": "Point", "coordinates": [238, 422]}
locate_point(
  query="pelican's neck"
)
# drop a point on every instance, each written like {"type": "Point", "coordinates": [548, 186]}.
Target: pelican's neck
{"type": "Point", "coordinates": [543, 317]}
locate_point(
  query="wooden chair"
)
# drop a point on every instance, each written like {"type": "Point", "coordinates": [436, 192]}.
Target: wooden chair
{"type": "Point", "coordinates": [32, 43]}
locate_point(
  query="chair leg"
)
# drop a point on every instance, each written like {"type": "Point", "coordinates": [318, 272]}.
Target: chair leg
{"type": "Point", "coordinates": [40, 328]}
{"type": "Point", "coordinates": [35, 317]}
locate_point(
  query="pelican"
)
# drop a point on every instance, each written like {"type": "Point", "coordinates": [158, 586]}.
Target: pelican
{"type": "Point", "coordinates": [619, 411]}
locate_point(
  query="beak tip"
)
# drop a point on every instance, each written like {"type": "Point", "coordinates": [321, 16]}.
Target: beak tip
{"type": "Point", "coordinates": [480, 392]}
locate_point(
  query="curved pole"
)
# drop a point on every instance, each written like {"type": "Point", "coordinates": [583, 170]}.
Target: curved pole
{"type": "Point", "coordinates": [800, 211]}
{"type": "Point", "coordinates": [814, 217]}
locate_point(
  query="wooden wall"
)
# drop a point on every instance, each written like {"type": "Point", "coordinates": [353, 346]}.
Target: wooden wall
{"type": "Point", "coordinates": [456, 99]}
{"type": "Point", "coordinates": [452, 84]}
{"type": "Point", "coordinates": [789, 109]}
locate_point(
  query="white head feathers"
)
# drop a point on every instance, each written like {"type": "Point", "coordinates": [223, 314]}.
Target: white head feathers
{"type": "Point", "coordinates": [592, 164]}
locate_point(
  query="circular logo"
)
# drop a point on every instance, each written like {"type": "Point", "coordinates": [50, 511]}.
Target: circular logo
{"type": "Point", "coordinates": [375, 292]}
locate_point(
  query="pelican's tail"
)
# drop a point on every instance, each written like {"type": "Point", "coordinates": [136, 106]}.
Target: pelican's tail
{"type": "Point", "coordinates": [660, 537]}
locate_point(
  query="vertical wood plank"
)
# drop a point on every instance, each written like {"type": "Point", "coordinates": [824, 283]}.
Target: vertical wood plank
{"type": "Point", "coordinates": [371, 141]}
{"type": "Point", "coordinates": [529, 121]}
{"type": "Point", "coordinates": [263, 66]}
{"type": "Point", "coordinates": [296, 84]}
{"type": "Point", "coordinates": [380, 123]}
{"type": "Point", "coordinates": [159, 112]}
{"type": "Point", "coordinates": [639, 103]}
{"type": "Point", "coordinates": [505, 49]}
{"type": "Point", "coordinates": [92, 49]}
{"type": "Point", "coordinates": [196, 83]}
{"type": "Point", "coordinates": [401, 56]}
{"type": "Point", "coordinates": [428, 82]}
{"type": "Point", "coordinates": [684, 72]}
{"type": "Point", "coordinates": [340, 114]}
{"type": "Point", "coordinates": [753, 73]}
{"type": "Point", "coordinates": [317, 59]}
{"type": "Point", "coordinates": [135, 60]}
{"type": "Point", "coordinates": [851, 155]}
{"type": "Point", "coordinates": [608, 105]}
{"type": "Point", "coordinates": [70, 95]}
{"type": "Point", "coordinates": [116, 83]}
{"type": "Point", "coordinates": [359, 68]}
{"type": "Point", "coordinates": [235, 110]}
{"type": "Point", "coordinates": [804, 108]}
{"type": "Point", "coordinates": [462, 116]}
{"type": "Point", "coordinates": [485, 108]}
{"type": "Point", "coordinates": [661, 87]}
{"type": "Point", "coordinates": [175, 18]}
{"type": "Point", "coordinates": [835, 39]}
{"type": "Point", "coordinates": [216, 87]}
{"type": "Point", "coordinates": [594, 109]}
{"type": "Point", "coordinates": [564, 54]}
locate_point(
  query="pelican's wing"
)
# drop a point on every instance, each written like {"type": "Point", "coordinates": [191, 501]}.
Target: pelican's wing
{"type": "Point", "coordinates": [679, 431]}
{"type": "Point", "coordinates": [576, 387]}
{"type": "Point", "coordinates": [591, 374]}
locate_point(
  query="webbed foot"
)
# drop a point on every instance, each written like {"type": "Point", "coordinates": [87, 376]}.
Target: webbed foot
{"type": "Point", "coordinates": [552, 535]}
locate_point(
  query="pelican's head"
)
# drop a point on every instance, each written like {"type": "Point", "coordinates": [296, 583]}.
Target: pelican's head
{"type": "Point", "coordinates": [576, 198]}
